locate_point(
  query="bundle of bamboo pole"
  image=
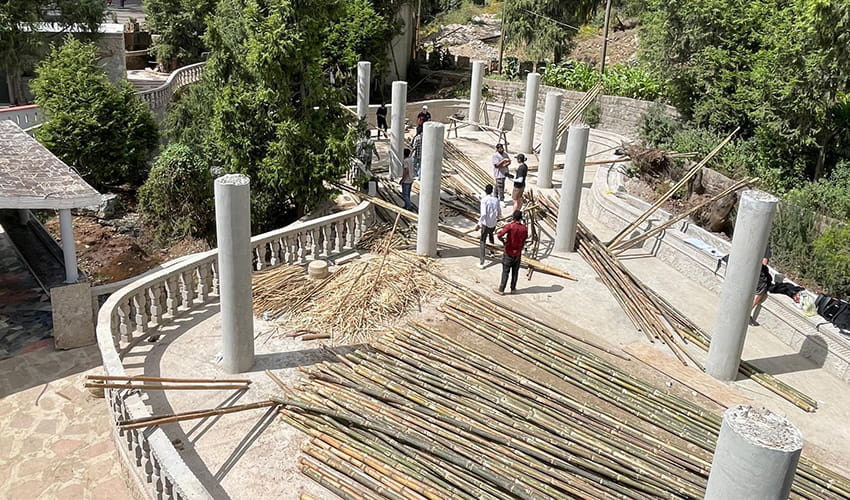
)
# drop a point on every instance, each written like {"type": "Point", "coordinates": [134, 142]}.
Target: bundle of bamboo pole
{"type": "Point", "coordinates": [421, 414]}
{"type": "Point", "coordinates": [656, 317]}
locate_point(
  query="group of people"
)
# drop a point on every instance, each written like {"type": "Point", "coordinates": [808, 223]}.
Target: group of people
{"type": "Point", "coordinates": [514, 234]}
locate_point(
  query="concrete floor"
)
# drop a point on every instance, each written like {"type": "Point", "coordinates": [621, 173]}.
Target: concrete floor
{"type": "Point", "coordinates": [252, 455]}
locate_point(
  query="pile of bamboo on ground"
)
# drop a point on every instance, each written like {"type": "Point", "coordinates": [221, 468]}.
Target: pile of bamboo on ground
{"type": "Point", "coordinates": [353, 303]}
{"type": "Point", "coordinates": [655, 317]}
{"type": "Point", "coordinates": [421, 414]}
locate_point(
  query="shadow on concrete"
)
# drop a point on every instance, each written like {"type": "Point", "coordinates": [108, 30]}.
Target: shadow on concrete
{"type": "Point", "coordinates": [538, 289]}
{"type": "Point", "coordinates": [812, 355]}
{"type": "Point", "coordinates": [205, 424]}
{"type": "Point", "coordinates": [252, 435]}
{"type": "Point", "coordinates": [25, 371]}
{"type": "Point", "coordinates": [305, 357]}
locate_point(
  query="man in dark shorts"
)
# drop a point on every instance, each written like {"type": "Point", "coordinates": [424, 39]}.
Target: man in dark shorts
{"type": "Point", "coordinates": [381, 115]}
{"type": "Point", "coordinates": [764, 282]}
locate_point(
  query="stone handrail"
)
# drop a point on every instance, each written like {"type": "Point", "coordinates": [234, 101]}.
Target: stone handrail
{"type": "Point", "coordinates": [30, 116]}
{"type": "Point", "coordinates": [137, 312]}
{"type": "Point", "coordinates": [158, 98]}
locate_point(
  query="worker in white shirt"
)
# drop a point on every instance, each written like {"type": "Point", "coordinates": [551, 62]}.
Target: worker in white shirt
{"type": "Point", "coordinates": [491, 210]}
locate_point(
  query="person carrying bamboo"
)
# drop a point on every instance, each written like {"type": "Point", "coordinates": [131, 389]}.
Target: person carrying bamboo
{"type": "Point", "coordinates": [513, 235]}
{"type": "Point", "coordinates": [491, 210]}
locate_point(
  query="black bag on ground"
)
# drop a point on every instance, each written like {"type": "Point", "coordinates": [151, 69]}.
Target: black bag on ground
{"type": "Point", "coordinates": [836, 311]}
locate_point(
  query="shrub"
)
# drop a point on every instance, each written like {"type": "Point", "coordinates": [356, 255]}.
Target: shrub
{"type": "Point", "coordinates": [177, 199]}
{"type": "Point", "coordinates": [624, 80]}
{"type": "Point", "coordinates": [101, 129]}
{"type": "Point", "coordinates": [794, 231]}
{"type": "Point", "coordinates": [593, 114]}
{"type": "Point", "coordinates": [830, 196]}
{"type": "Point", "coordinates": [831, 260]}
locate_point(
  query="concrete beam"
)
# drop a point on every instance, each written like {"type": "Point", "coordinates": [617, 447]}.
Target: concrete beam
{"type": "Point", "coordinates": [752, 231]}
{"type": "Point", "coordinates": [364, 72]}
{"type": "Point", "coordinates": [399, 106]}
{"type": "Point", "coordinates": [551, 118]}
{"type": "Point", "coordinates": [756, 456]}
{"type": "Point", "coordinates": [529, 117]}
{"type": "Point", "coordinates": [233, 230]}
{"type": "Point", "coordinates": [565, 235]}
{"type": "Point", "coordinates": [429, 188]}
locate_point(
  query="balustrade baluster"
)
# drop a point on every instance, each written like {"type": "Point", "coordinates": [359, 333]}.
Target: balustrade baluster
{"type": "Point", "coordinates": [316, 235]}
{"type": "Point", "coordinates": [156, 300]}
{"type": "Point", "coordinates": [147, 466]}
{"type": "Point", "coordinates": [140, 306]}
{"type": "Point", "coordinates": [203, 283]}
{"type": "Point", "coordinates": [172, 291]}
{"type": "Point", "coordinates": [188, 288]}
{"type": "Point", "coordinates": [328, 240]}
{"type": "Point", "coordinates": [339, 236]}
{"type": "Point", "coordinates": [215, 282]}
{"type": "Point", "coordinates": [126, 324]}
{"type": "Point", "coordinates": [137, 446]}
{"type": "Point", "coordinates": [259, 255]}
{"type": "Point", "coordinates": [275, 257]}
{"type": "Point", "coordinates": [301, 239]}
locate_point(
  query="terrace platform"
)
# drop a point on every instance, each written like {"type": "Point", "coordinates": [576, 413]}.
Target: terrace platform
{"type": "Point", "coordinates": [254, 454]}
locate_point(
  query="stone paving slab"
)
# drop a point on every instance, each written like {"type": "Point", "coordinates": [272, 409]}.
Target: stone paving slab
{"type": "Point", "coordinates": [55, 437]}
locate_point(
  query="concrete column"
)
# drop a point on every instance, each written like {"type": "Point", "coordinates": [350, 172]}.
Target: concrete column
{"type": "Point", "coordinates": [529, 117]}
{"type": "Point", "coordinates": [752, 230]}
{"type": "Point", "coordinates": [233, 230]}
{"type": "Point", "coordinates": [551, 117]}
{"type": "Point", "coordinates": [399, 107]}
{"type": "Point", "coordinates": [364, 72]}
{"type": "Point", "coordinates": [23, 216]}
{"type": "Point", "coordinates": [69, 247]}
{"type": "Point", "coordinates": [565, 236]}
{"type": "Point", "coordinates": [756, 456]}
{"type": "Point", "coordinates": [429, 188]}
{"type": "Point", "coordinates": [475, 92]}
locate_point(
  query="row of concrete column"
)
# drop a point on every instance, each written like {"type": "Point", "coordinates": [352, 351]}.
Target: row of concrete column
{"type": "Point", "coordinates": [747, 463]}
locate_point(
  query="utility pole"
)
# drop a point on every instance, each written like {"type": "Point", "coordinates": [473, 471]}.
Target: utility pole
{"type": "Point", "coordinates": [605, 34]}
{"type": "Point", "coordinates": [502, 37]}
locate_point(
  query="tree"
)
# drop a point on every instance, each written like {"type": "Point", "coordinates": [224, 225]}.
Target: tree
{"type": "Point", "coordinates": [539, 25]}
{"type": "Point", "coordinates": [101, 129]}
{"type": "Point", "coordinates": [21, 42]}
{"type": "Point", "coordinates": [181, 25]}
{"type": "Point", "coordinates": [177, 198]}
{"type": "Point", "coordinates": [363, 32]}
{"type": "Point", "coordinates": [776, 68]}
{"type": "Point", "coordinates": [265, 107]}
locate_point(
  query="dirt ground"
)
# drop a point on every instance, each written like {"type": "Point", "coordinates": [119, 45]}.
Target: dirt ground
{"type": "Point", "coordinates": [113, 250]}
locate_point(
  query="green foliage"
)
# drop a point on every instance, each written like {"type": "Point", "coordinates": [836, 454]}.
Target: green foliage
{"type": "Point", "coordinates": [538, 25]}
{"type": "Point", "coordinates": [776, 68]}
{"type": "Point", "coordinates": [265, 107]}
{"type": "Point", "coordinates": [362, 33]}
{"type": "Point", "coordinates": [832, 261]}
{"type": "Point", "coordinates": [621, 80]}
{"type": "Point", "coordinates": [180, 25]}
{"type": "Point", "coordinates": [793, 234]}
{"type": "Point", "coordinates": [593, 114]}
{"type": "Point", "coordinates": [177, 199]}
{"type": "Point", "coordinates": [829, 196]}
{"type": "Point", "coordinates": [102, 130]}
{"type": "Point", "coordinates": [21, 44]}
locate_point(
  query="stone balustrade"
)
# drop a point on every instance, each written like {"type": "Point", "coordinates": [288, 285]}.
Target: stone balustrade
{"type": "Point", "coordinates": [26, 117]}
{"type": "Point", "coordinates": [140, 309]}
{"type": "Point", "coordinates": [158, 98]}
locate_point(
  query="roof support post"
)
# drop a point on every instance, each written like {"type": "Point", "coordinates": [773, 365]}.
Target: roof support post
{"type": "Point", "coordinates": [69, 249]}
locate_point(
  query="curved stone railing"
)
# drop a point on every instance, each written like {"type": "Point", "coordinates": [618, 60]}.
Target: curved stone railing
{"type": "Point", "coordinates": [158, 98]}
{"type": "Point", "coordinates": [139, 310]}
{"type": "Point", "coordinates": [25, 116]}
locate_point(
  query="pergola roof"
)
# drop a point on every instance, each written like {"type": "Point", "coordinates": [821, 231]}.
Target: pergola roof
{"type": "Point", "coordinates": [32, 177]}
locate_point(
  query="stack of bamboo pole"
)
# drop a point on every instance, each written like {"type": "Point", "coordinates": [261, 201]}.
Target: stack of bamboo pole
{"type": "Point", "coordinates": [421, 414]}
{"type": "Point", "coordinates": [656, 317]}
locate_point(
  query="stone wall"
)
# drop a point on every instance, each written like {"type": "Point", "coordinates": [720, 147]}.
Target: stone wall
{"type": "Point", "coordinates": [620, 115]}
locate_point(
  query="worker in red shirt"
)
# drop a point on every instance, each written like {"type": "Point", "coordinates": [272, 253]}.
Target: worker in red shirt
{"type": "Point", "coordinates": [513, 235]}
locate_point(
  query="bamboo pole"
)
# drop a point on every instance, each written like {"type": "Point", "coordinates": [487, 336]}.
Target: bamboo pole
{"type": "Point", "coordinates": [137, 423]}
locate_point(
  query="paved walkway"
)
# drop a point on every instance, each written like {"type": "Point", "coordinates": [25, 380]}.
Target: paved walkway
{"type": "Point", "coordinates": [55, 438]}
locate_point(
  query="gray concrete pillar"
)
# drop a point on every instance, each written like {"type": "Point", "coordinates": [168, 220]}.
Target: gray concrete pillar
{"type": "Point", "coordinates": [399, 108]}
{"type": "Point", "coordinates": [69, 247]}
{"type": "Point", "coordinates": [475, 93]}
{"type": "Point", "coordinates": [23, 216]}
{"type": "Point", "coordinates": [233, 230]}
{"type": "Point", "coordinates": [429, 188]}
{"type": "Point", "coordinates": [551, 117]}
{"type": "Point", "coordinates": [752, 230]}
{"type": "Point", "coordinates": [756, 456]}
{"type": "Point", "coordinates": [565, 235]}
{"type": "Point", "coordinates": [529, 117]}
{"type": "Point", "coordinates": [364, 72]}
